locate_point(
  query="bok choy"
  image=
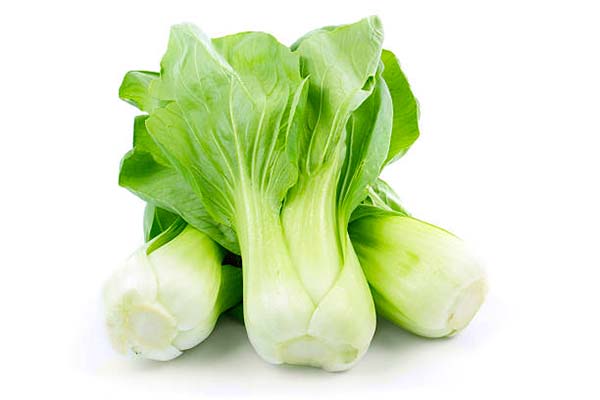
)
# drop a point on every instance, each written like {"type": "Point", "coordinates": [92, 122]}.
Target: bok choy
{"type": "Point", "coordinates": [249, 147]}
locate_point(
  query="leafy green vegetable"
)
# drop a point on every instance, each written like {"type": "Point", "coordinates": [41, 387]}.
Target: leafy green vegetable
{"type": "Point", "coordinates": [167, 296]}
{"type": "Point", "coordinates": [339, 149]}
{"type": "Point", "coordinates": [224, 130]}
{"type": "Point", "coordinates": [422, 277]}
{"type": "Point", "coordinates": [272, 152]}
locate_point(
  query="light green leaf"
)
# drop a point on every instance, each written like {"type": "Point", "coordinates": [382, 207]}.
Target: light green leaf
{"type": "Point", "coordinates": [341, 63]}
{"type": "Point", "coordinates": [134, 90]}
{"type": "Point", "coordinates": [368, 138]}
{"type": "Point", "coordinates": [406, 112]}
{"type": "Point", "coordinates": [167, 235]}
{"type": "Point", "coordinates": [147, 174]}
{"type": "Point", "coordinates": [380, 201]}
{"type": "Point", "coordinates": [225, 126]}
{"type": "Point", "coordinates": [156, 221]}
{"type": "Point", "coordinates": [405, 129]}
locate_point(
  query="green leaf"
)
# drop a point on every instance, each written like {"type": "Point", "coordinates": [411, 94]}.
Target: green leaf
{"type": "Point", "coordinates": [367, 143]}
{"type": "Point", "coordinates": [341, 63]}
{"type": "Point", "coordinates": [147, 174]}
{"type": "Point", "coordinates": [406, 112]}
{"type": "Point", "coordinates": [167, 235]}
{"type": "Point", "coordinates": [156, 221]}
{"type": "Point", "coordinates": [225, 126]}
{"type": "Point", "coordinates": [381, 201]}
{"type": "Point", "coordinates": [405, 128]}
{"type": "Point", "coordinates": [134, 90]}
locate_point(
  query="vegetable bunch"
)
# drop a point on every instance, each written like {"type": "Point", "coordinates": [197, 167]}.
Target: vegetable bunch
{"type": "Point", "coordinates": [247, 147]}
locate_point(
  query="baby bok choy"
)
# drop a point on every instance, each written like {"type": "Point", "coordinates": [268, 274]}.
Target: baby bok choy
{"type": "Point", "coordinates": [167, 296]}
{"type": "Point", "coordinates": [273, 153]}
{"type": "Point", "coordinates": [423, 278]}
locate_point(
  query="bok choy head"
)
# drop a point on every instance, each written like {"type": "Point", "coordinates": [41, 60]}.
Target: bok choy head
{"type": "Point", "coordinates": [167, 296]}
{"type": "Point", "coordinates": [423, 278]}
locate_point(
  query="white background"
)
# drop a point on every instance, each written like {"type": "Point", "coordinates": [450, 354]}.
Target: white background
{"type": "Point", "coordinates": [508, 159]}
